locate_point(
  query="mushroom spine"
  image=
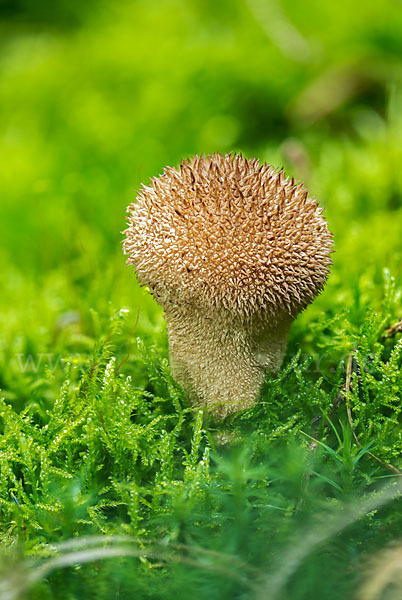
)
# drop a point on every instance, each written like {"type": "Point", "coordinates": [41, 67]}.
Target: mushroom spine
{"type": "Point", "coordinates": [233, 250]}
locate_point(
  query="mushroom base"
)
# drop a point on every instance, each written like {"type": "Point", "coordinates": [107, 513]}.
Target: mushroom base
{"type": "Point", "coordinates": [221, 363]}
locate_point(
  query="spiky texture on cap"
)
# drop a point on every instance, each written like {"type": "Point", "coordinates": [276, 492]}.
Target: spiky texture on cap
{"type": "Point", "coordinates": [232, 250]}
{"type": "Point", "coordinates": [227, 232]}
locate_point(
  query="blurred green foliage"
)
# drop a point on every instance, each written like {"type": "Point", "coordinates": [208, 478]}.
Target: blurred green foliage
{"type": "Point", "coordinates": [95, 436]}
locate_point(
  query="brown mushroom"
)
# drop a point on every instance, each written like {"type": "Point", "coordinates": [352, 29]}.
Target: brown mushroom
{"type": "Point", "coordinates": [232, 250]}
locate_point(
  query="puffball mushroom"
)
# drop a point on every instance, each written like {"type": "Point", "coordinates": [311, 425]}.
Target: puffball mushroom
{"type": "Point", "coordinates": [232, 250]}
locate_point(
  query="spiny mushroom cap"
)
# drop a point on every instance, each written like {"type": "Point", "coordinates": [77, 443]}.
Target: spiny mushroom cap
{"type": "Point", "coordinates": [229, 233]}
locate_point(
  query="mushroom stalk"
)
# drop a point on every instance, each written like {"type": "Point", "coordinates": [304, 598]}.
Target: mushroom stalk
{"type": "Point", "coordinates": [232, 250]}
{"type": "Point", "coordinates": [221, 362]}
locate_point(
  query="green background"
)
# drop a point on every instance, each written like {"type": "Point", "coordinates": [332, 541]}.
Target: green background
{"type": "Point", "coordinates": [96, 98]}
